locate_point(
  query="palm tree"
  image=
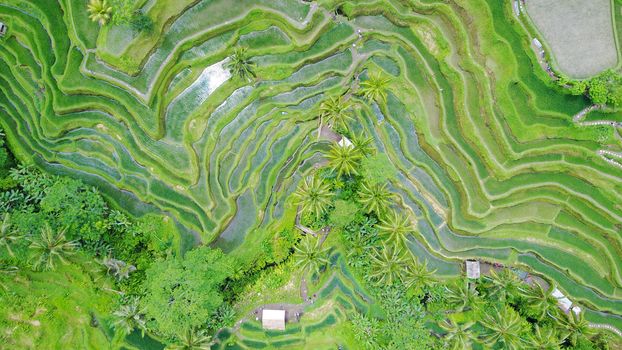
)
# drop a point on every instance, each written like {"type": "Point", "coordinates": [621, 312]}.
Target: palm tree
{"type": "Point", "coordinates": [7, 235]}
{"type": "Point", "coordinates": [192, 340]}
{"type": "Point", "coordinates": [343, 159]}
{"type": "Point", "coordinates": [418, 275]}
{"type": "Point", "coordinates": [396, 227]}
{"type": "Point", "coordinates": [50, 247]}
{"type": "Point", "coordinates": [457, 336]}
{"type": "Point", "coordinates": [543, 339]}
{"type": "Point", "coordinates": [503, 327]}
{"type": "Point", "coordinates": [128, 318]}
{"type": "Point", "coordinates": [119, 269]}
{"type": "Point", "coordinates": [6, 270]}
{"type": "Point", "coordinates": [314, 196]}
{"type": "Point", "coordinates": [310, 254]}
{"type": "Point", "coordinates": [375, 88]}
{"type": "Point", "coordinates": [363, 144]}
{"type": "Point", "coordinates": [388, 265]}
{"type": "Point", "coordinates": [540, 302]}
{"type": "Point", "coordinates": [462, 296]}
{"type": "Point", "coordinates": [336, 111]}
{"type": "Point", "coordinates": [502, 284]}
{"type": "Point", "coordinates": [575, 326]}
{"type": "Point", "coordinates": [240, 65]}
{"type": "Point", "coordinates": [99, 11]}
{"type": "Point", "coordinates": [375, 198]}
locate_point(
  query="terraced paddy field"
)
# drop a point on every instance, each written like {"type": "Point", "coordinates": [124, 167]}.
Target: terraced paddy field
{"type": "Point", "coordinates": [581, 35]}
{"type": "Point", "coordinates": [489, 160]}
{"type": "Point", "coordinates": [323, 324]}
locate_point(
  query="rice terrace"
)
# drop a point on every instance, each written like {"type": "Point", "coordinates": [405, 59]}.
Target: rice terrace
{"type": "Point", "coordinates": [297, 174]}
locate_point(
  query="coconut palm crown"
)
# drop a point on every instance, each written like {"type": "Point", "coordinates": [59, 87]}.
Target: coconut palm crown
{"type": "Point", "coordinates": [458, 336]}
{"type": "Point", "coordinates": [344, 159]}
{"type": "Point", "coordinates": [309, 254]}
{"type": "Point", "coordinates": [129, 317]}
{"type": "Point", "coordinates": [314, 196]}
{"type": "Point", "coordinates": [8, 235]}
{"type": "Point", "coordinates": [503, 327]}
{"type": "Point", "coordinates": [192, 340]}
{"type": "Point", "coordinates": [240, 65]}
{"type": "Point", "coordinates": [336, 111]}
{"type": "Point", "coordinates": [396, 227]}
{"type": "Point", "coordinates": [388, 265]}
{"type": "Point", "coordinates": [375, 198]}
{"type": "Point", "coordinates": [99, 11]}
{"type": "Point", "coordinates": [375, 88]}
{"type": "Point", "coordinates": [363, 144]}
{"type": "Point", "coordinates": [51, 247]}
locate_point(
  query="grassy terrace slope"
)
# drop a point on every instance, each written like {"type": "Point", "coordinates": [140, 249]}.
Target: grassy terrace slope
{"type": "Point", "coordinates": [490, 162]}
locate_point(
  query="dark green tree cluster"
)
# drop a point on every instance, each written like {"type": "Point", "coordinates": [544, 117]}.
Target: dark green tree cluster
{"type": "Point", "coordinates": [46, 220]}
{"type": "Point", "coordinates": [119, 12]}
{"type": "Point", "coordinates": [4, 156]}
{"type": "Point", "coordinates": [182, 294]}
{"type": "Point", "coordinates": [351, 195]}
{"type": "Point", "coordinates": [603, 89]}
{"type": "Point", "coordinates": [39, 203]}
{"type": "Point", "coordinates": [505, 312]}
{"type": "Point", "coordinates": [400, 325]}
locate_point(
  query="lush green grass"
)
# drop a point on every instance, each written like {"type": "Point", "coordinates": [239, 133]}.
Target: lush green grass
{"type": "Point", "coordinates": [66, 308]}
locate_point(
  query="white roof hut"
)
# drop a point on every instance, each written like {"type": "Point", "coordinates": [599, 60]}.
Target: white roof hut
{"type": "Point", "coordinates": [3, 29]}
{"type": "Point", "coordinates": [472, 269]}
{"type": "Point", "coordinates": [273, 319]}
{"type": "Point", "coordinates": [564, 303]}
{"type": "Point", "coordinates": [537, 44]}
{"type": "Point", "coordinates": [516, 8]}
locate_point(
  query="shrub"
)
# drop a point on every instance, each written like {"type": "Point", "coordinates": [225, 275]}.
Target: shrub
{"type": "Point", "coordinates": [606, 88]}
{"type": "Point", "coordinates": [344, 213]}
{"type": "Point", "coordinates": [141, 22]}
{"type": "Point", "coordinates": [378, 169]}
{"type": "Point", "coordinates": [185, 294]}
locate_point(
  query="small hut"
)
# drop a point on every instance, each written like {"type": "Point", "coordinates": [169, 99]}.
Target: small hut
{"type": "Point", "coordinates": [273, 319]}
{"type": "Point", "coordinates": [537, 44]}
{"type": "Point", "coordinates": [3, 29]}
{"type": "Point", "coordinates": [472, 269]}
{"type": "Point", "coordinates": [564, 303]}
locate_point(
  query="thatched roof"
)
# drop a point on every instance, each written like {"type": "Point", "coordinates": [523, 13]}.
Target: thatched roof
{"type": "Point", "coordinates": [273, 319]}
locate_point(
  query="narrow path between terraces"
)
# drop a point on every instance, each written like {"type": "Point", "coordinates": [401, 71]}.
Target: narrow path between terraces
{"type": "Point", "coordinates": [606, 155]}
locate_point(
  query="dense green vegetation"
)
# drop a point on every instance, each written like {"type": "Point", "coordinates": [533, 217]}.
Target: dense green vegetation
{"type": "Point", "coordinates": [603, 89]}
{"type": "Point", "coordinates": [173, 172]}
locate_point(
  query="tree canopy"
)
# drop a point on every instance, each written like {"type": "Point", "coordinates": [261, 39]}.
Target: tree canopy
{"type": "Point", "coordinates": [183, 294]}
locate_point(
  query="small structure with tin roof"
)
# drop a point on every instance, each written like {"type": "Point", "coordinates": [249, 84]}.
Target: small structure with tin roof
{"type": "Point", "coordinates": [3, 29]}
{"type": "Point", "coordinates": [273, 319]}
{"type": "Point", "coordinates": [564, 303]}
{"type": "Point", "coordinates": [472, 269]}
